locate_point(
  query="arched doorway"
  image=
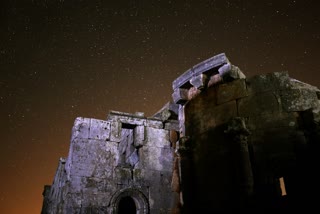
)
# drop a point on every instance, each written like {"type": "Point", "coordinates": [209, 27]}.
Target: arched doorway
{"type": "Point", "coordinates": [127, 206]}
{"type": "Point", "coordinates": [130, 201]}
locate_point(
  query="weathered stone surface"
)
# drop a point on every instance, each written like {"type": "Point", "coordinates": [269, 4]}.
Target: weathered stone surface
{"type": "Point", "coordinates": [139, 136]}
{"type": "Point", "coordinates": [208, 64]}
{"type": "Point", "coordinates": [168, 112]}
{"type": "Point", "coordinates": [214, 80]}
{"type": "Point", "coordinates": [114, 158]}
{"type": "Point", "coordinates": [200, 81]}
{"type": "Point", "coordinates": [93, 158]}
{"type": "Point", "coordinates": [180, 95]}
{"type": "Point", "coordinates": [154, 123]}
{"type": "Point", "coordinates": [156, 158]}
{"type": "Point", "coordinates": [157, 137]}
{"type": "Point", "coordinates": [208, 115]}
{"type": "Point", "coordinates": [162, 192]}
{"type": "Point", "coordinates": [172, 125]}
{"type": "Point", "coordinates": [273, 120]}
{"type": "Point", "coordinates": [122, 175]}
{"type": "Point", "coordinates": [126, 118]}
{"type": "Point", "coordinates": [202, 67]}
{"type": "Point", "coordinates": [230, 72]}
{"type": "Point", "coordinates": [198, 69]}
{"type": "Point", "coordinates": [267, 102]}
{"type": "Point", "coordinates": [81, 128]}
{"type": "Point", "coordinates": [99, 129]}
{"type": "Point", "coordinates": [115, 132]}
{"type": "Point", "coordinates": [298, 99]}
{"type": "Point", "coordinates": [182, 80]}
{"type": "Point", "coordinates": [268, 82]}
{"type": "Point", "coordinates": [232, 91]}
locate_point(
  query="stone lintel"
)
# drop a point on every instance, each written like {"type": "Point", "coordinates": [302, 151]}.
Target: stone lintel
{"type": "Point", "coordinates": [113, 114]}
{"type": "Point", "coordinates": [127, 118]}
{"type": "Point", "coordinates": [183, 79]}
{"type": "Point", "coordinates": [213, 62]}
{"type": "Point", "coordinates": [208, 64]}
{"type": "Point", "coordinates": [172, 125]}
{"type": "Point", "coordinates": [154, 123]}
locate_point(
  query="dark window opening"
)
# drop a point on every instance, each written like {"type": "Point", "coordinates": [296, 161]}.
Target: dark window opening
{"type": "Point", "coordinates": [127, 206]}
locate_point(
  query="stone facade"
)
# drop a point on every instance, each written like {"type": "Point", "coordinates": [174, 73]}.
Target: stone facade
{"type": "Point", "coordinates": [246, 144]}
{"type": "Point", "coordinates": [226, 143]}
{"type": "Point", "coordinates": [126, 157]}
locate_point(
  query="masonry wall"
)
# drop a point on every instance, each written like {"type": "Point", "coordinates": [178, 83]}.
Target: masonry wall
{"type": "Point", "coordinates": [125, 156]}
{"type": "Point", "coordinates": [233, 169]}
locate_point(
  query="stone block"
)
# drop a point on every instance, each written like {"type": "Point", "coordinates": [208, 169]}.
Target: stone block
{"type": "Point", "coordinates": [257, 104]}
{"type": "Point", "coordinates": [89, 185]}
{"type": "Point", "coordinates": [80, 128]}
{"type": "Point", "coordinates": [99, 129]}
{"type": "Point", "coordinates": [157, 137]}
{"type": "Point", "coordinates": [200, 81]}
{"type": "Point", "coordinates": [180, 95]}
{"type": "Point", "coordinates": [93, 158]}
{"type": "Point", "coordinates": [154, 123]}
{"type": "Point", "coordinates": [115, 131]}
{"type": "Point", "coordinates": [181, 120]}
{"type": "Point", "coordinates": [230, 72]}
{"type": "Point", "coordinates": [127, 118]}
{"type": "Point", "coordinates": [182, 80]}
{"type": "Point", "coordinates": [155, 158]}
{"type": "Point", "coordinates": [172, 125]}
{"type": "Point", "coordinates": [144, 177]}
{"type": "Point", "coordinates": [298, 99]}
{"type": "Point", "coordinates": [139, 136]}
{"type": "Point", "coordinates": [231, 91]}
{"type": "Point", "coordinates": [168, 112]}
{"type": "Point", "coordinates": [268, 82]}
{"type": "Point", "coordinates": [208, 64]}
{"type": "Point", "coordinates": [160, 194]}
{"type": "Point", "coordinates": [133, 158]}
{"type": "Point", "coordinates": [122, 175]}
{"type": "Point", "coordinates": [214, 80]}
{"type": "Point", "coordinates": [193, 92]}
{"type": "Point", "coordinates": [208, 115]}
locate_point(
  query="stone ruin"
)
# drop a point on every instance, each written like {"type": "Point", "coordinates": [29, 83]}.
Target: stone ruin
{"type": "Point", "coordinates": [226, 143]}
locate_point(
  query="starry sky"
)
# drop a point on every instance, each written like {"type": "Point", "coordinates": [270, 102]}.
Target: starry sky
{"type": "Point", "coordinates": [60, 59]}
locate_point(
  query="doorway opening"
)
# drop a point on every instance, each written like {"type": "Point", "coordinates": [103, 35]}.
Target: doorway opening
{"type": "Point", "coordinates": [127, 206]}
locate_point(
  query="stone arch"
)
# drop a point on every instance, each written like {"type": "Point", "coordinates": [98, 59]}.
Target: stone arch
{"type": "Point", "coordinates": [140, 200]}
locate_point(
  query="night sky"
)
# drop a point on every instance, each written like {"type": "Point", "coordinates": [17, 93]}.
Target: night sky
{"type": "Point", "coordinates": [60, 59]}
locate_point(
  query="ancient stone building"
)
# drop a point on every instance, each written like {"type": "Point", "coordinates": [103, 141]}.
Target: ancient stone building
{"type": "Point", "coordinates": [225, 143]}
{"type": "Point", "coordinates": [114, 164]}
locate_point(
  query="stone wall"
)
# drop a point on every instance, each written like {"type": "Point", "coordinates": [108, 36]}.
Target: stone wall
{"type": "Point", "coordinates": [240, 136]}
{"type": "Point", "coordinates": [127, 155]}
{"type": "Point", "coordinates": [225, 144]}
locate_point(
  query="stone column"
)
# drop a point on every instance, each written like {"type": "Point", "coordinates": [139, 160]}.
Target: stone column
{"type": "Point", "coordinates": [239, 134]}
